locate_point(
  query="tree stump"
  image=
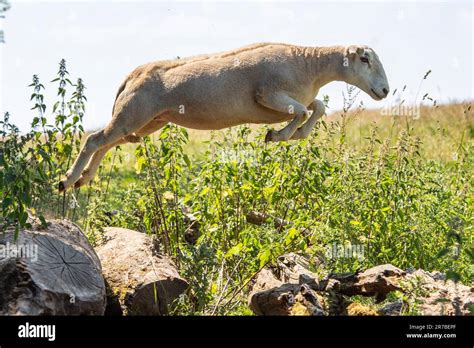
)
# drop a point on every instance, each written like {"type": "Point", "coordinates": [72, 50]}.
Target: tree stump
{"type": "Point", "coordinates": [140, 280]}
{"type": "Point", "coordinates": [50, 271]}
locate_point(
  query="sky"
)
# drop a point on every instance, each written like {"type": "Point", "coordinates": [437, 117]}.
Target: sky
{"type": "Point", "coordinates": [102, 41]}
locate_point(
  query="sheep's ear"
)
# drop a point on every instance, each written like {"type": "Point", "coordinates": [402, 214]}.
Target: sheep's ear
{"type": "Point", "coordinates": [355, 50]}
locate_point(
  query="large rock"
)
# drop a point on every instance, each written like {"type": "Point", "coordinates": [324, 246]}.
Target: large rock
{"type": "Point", "coordinates": [441, 296]}
{"type": "Point", "coordinates": [140, 280]}
{"type": "Point", "coordinates": [50, 271]}
{"type": "Point", "coordinates": [377, 281]}
{"type": "Point", "coordinates": [290, 288]}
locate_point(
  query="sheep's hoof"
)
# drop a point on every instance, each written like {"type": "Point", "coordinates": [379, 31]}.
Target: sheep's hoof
{"type": "Point", "coordinates": [269, 136]}
{"type": "Point", "coordinates": [61, 186]}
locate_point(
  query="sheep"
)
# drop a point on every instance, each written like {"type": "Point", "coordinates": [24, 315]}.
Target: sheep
{"type": "Point", "coordinates": [263, 83]}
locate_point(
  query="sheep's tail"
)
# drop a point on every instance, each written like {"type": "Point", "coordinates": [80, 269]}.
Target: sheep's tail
{"type": "Point", "coordinates": [120, 90]}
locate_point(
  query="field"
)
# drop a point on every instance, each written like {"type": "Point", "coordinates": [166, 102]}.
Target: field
{"type": "Point", "coordinates": [398, 188]}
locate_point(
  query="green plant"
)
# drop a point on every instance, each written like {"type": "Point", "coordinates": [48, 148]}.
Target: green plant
{"type": "Point", "coordinates": [399, 192]}
{"type": "Point", "coordinates": [33, 162]}
{"type": "Point", "coordinates": [21, 177]}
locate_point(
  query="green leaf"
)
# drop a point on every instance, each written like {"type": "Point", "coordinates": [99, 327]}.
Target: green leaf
{"type": "Point", "coordinates": [6, 202]}
{"type": "Point", "coordinates": [265, 257]}
{"type": "Point", "coordinates": [454, 276]}
{"type": "Point", "coordinates": [235, 250]}
{"type": "Point", "coordinates": [442, 252]}
{"type": "Point", "coordinates": [470, 253]}
{"type": "Point", "coordinates": [186, 160]}
{"type": "Point", "coordinates": [44, 224]}
{"type": "Point", "coordinates": [140, 163]}
{"type": "Point", "coordinates": [204, 191]}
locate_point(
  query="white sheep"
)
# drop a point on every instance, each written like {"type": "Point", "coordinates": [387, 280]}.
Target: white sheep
{"type": "Point", "coordinates": [261, 83]}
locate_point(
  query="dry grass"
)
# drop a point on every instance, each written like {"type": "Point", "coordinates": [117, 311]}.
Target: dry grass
{"type": "Point", "coordinates": [442, 130]}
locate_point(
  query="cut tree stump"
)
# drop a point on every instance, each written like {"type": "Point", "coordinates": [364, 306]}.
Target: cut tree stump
{"type": "Point", "coordinates": [50, 271]}
{"type": "Point", "coordinates": [140, 280]}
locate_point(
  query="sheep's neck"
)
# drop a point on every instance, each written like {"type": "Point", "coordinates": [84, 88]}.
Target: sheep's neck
{"type": "Point", "coordinates": [326, 64]}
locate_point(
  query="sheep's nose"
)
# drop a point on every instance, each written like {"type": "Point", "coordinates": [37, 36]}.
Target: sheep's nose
{"type": "Point", "coordinates": [385, 91]}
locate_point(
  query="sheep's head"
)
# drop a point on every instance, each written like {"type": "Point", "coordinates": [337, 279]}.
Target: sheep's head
{"type": "Point", "coordinates": [364, 70]}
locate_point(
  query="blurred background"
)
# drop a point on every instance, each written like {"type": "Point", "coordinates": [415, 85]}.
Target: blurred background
{"type": "Point", "coordinates": [102, 41]}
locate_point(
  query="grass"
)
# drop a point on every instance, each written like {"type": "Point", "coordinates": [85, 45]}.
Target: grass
{"type": "Point", "coordinates": [399, 188]}
{"type": "Point", "coordinates": [443, 130]}
{"type": "Point", "coordinates": [360, 180]}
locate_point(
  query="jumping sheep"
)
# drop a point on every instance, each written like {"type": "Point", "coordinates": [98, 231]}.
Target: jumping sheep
{"type": "Point", "coordinates": [263, 83]}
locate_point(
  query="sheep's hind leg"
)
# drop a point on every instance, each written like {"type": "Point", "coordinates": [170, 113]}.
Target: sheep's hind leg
{"type": "Point", "coordinates": [94, 163]}
{"type": "Point", "coordinates": [131, 113]}
{"type": "Point", "coordinates": [281, 102]}
{"type": "Point", "coordinates": [94, 142]}
{"type": "Point", "coordinates": [89, 173]}
{"type": "Point", "coordinates": [318, 111]}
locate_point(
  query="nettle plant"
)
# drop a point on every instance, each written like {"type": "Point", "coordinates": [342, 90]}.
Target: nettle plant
{"type": "Point", "coordinates": [58, 141]}
{"type": "Point", "coordinates": [21, 176]}
{"type": "Point", "coordinates": [386, 199]}
{"type": "Point", "coordinates": [383, 196]}
{"type": "Point", "coordinates": [166, 167]}
{"type": "Point", "coordinates": [32, 162]}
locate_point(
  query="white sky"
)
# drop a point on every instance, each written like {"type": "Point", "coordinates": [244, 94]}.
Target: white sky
{"type": "Point", "coordinates": [103, 41]}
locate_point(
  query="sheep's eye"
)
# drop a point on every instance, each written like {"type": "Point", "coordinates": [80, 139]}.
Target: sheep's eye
{"type": "Point", "coordinates": [364, 59]}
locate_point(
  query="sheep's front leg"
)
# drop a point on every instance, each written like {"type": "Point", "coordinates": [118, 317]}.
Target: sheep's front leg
{"type": "Point", "coordinates": [282, 102]}
{"type": "Point", "coordinates": [318, 109]}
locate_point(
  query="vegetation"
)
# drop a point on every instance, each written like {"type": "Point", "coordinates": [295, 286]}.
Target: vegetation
{"type": "Point", "coordinates": [398, 188]}
{"type": "Point", "coordinates": [4, 7]}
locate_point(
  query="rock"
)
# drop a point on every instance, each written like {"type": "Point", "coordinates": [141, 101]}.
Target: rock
{"type": "Point", "coordinates": [271, 296]}
{"type": "Point", "coordinates": [50, 271]}
{"type": "Point", "coordinates": [287, 299]}
{"type": "Point", "coordinates": [264, 280]}
{"type": "Point", "coordinates": [140, 279]}
{"type": "Point", "coordinates": [294, 268]}
{"type": "Point", "coordinates": [392, 308]}
{"type": "Point", "coordinates": [274, 301]}
{"type": "Point", "coordinates": [193, 226]}
{"type": "Point", "coordinates": [441, 297]}
{"type": "Point", "coordinates": [290, 288]}
{"type": "Point", "coordinates": [376, 281]}
{"type": "Point", "coordinates": [309, 300]}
